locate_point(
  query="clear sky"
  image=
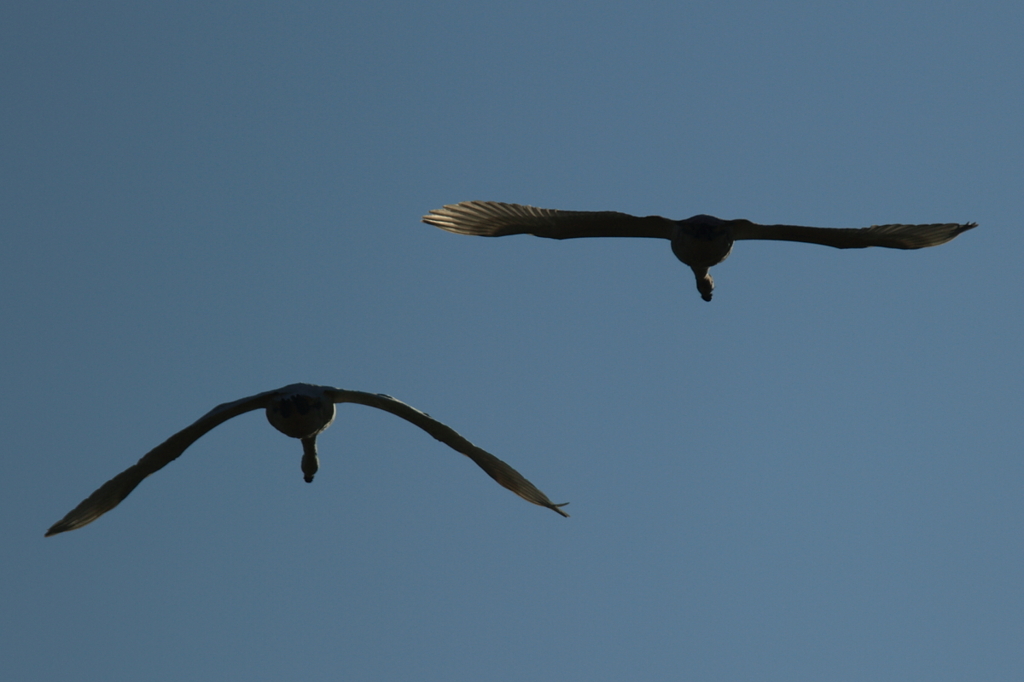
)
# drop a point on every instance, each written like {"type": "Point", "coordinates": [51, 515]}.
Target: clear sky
{"type": "Point", "coordinates": [817, 476]}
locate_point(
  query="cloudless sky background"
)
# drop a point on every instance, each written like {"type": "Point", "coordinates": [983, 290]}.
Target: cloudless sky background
{"type": "Point", "coordinates": [817, 476]}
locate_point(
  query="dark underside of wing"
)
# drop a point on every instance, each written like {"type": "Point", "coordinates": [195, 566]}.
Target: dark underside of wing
{"type": "Point", "coordinates": [497, 469]}
{"type": "Point", "coordinates": [111, 493]}
{"type": "Point", "coordinates": [889, 236]}
{"type": "Point", "coordinates": [495, 219]}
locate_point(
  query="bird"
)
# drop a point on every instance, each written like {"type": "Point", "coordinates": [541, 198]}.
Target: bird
{"type": "Point", "coordinates": [300, 411]}
{"type": "Point", "coordinates": [699, 242]}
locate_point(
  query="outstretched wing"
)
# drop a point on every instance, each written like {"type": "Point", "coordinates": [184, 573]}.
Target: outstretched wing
{"type": "Point", "coordinates": [889, 236]}
{"type": "Point", "coordinates": [495, 219]}
{"type": "Point", "coordinates": [501, 472]}
{"type": "Point", "coordinates": [110, 494]}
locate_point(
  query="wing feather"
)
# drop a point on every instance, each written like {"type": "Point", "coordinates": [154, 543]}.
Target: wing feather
{"type": "Point", "coordinates": [889, 236]}
{"type": "Point", "coordinates": [110, 494]}
{"type": "Point", "coordinates": [501, 472]}
{"type": "Point", "coordinates": [496, 219]}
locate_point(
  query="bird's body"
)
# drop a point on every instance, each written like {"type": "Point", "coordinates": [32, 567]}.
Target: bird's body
{"type": "Point", "coordinates": [302, 414]}
{"type": "Point", "coordinates": [700, 242]}
{"type": "Point", "coordinates": [300, 411]}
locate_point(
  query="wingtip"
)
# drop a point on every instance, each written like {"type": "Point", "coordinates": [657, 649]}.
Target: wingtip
{"type": "Point", "coordinates": [960, 229]}
{"type": "Point", "coordinates": [437, 217]}
{"type": "Point", "coordinates": [64, 525]}
{"type": "Point", "coordinates": [558, 508]}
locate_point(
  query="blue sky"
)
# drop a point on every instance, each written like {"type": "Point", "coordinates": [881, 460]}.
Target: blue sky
{"type": "Point", "coordinates": [816, 476]}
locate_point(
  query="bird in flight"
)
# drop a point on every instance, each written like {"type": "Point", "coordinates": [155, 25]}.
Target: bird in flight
{"type": "Point", "coordinates": [700, 242]}
{"type": "Point", "coordinates": [300, 411]}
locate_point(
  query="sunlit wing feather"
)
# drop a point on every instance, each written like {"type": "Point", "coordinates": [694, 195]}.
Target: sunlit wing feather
{"type": "Point", "coordinates": [889, 236]}
{"type": "Point", "coordinates": [496, 219]}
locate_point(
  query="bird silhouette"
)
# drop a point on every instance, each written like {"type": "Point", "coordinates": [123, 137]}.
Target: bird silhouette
{"type": "Point", "coordinates": [300, 411]}
{"type": "Point", "coordinates": [700, 242]}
